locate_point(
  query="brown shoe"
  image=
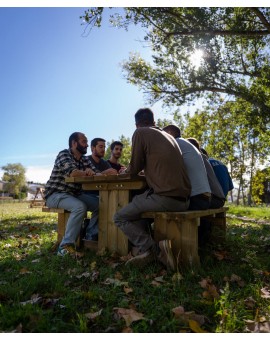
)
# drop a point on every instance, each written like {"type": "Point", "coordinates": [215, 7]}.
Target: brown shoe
{"type": "Point", "coordinates": [166, 255]}
{"type": "Point", "coordinates": [141, 260]}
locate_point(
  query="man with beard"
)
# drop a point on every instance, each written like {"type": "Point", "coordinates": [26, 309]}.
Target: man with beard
{"type": "Point", "coordinates": [98, 152]}
{"type": "Point", "coordinates": [116, 153]}
{"type": "Point", "coordinates": [69, 196]}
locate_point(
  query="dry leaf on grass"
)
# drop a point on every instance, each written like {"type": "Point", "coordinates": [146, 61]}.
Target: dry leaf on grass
{"type": "Point", "coordinates": [129, 315]}
{"type": "Point", "coordinates": [127, 330]}
{"type": "Point", "coordinates": [265, 293]}
{"type": "Point", "coordinates": [35, 298]}
{"type": "Point", "coordinates": [24, 271]}
{"type": "Point", "coordinates": [258, 327]}
{"type": "Point", "coordinates": [115, 282]}
{"type": "Point", "coordinates": [185, 317]}
{"type": "Point", "coordinates": [250, 302]}
{"type": "Point", "coordinates": [128, 290]}
{"type": "Point", "coordinates": [92, 316]}
{"type": "Point", "coordinates": [85, 274]}
{"type": "Point", "coordinates": [195, 327]}
{"type": "Point", "coordinates": [210, 289]}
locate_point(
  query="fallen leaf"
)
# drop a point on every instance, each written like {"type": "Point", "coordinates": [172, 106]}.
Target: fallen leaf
{"type": "Point", "coordinates": [236, 278]}
{"type": "Point", "coordinates": [35, 298]}
{"type": "Point", "coordinates": [265, 293]}
{"type": "Point", "coordinates": [195, 327]}
{"type": "Point", "coordinates": [127, 330]}
{"type": "Point", "coordinates": [85, 274]}
{"type": "Point", "coordinates": [115, 282]}
{"type": "Point", "coordinates": [128, 290]}
{"type": "Point", "coordinates": [129, 315]}
{"type": "Point", "coordinates": [250, 302]}
{"type": "Point", "coordinates": [36, 261]}
{"type": "Point", "coordinates": [258, 327]}
{"type": "Point", "coordinates": [211, 290]}
{"type": "Point", "coordinates": [24, 271]}
{"type": "Point", "coordinates": [180, 314]}
{"type": "Point", "coordinates": [92, 316]}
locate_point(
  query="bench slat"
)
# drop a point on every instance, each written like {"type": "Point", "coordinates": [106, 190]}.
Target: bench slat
{"type": "Point", "coordinates": [185, 215]}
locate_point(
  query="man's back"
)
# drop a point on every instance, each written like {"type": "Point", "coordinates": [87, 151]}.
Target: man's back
{"type": "Point", "coordinates": [215, 186]}
{"type": "Point", "coordinates": [158, 154]}
{"type": "Point", "coordinates": [195, 167]}
{"type": "Point", "coordinates": [222, 174]}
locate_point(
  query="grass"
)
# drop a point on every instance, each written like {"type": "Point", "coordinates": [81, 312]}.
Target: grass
{"type": "Point", "coordinates": [43, 293]}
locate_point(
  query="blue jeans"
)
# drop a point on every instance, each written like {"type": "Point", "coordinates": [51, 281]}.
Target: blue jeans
{"type": "Point", "coordinates": [78, 207]}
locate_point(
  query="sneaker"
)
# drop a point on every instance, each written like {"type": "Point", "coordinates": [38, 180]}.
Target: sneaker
{"type": "Point", "coordinates": [142, 260]}
{"type": "Point", "coordinates": [166, 255]}
{"type": "Point", "coordinates": [68, 250]}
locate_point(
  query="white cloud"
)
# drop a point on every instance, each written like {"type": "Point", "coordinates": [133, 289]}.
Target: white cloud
{"type": "Point", "coordinates": [38, 174]}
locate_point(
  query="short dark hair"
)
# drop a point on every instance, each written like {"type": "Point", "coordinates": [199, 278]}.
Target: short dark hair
{"type": "Point", "coordinates": [75, 136]}
{"type": "Point", "coordinates": [96, 140]}
{"type": "Point", "coordinates": [194, 142]}
{"type": "Point", "coordinates": [204, 152]}
{"type": "Point", "coordinates": [144, 117]}
{"type": "Point", "coordinates": [116, 143]}
{"type": "Point", "coordinates": [173, 130]}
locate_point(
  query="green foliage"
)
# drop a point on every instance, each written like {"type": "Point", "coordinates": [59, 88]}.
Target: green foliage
{"type": "Point", "coordinates": [14, 174]}
{"type": "Point", "coordinates": [226, 133]}
{"type": "Point", "coordinates": [259, 182]}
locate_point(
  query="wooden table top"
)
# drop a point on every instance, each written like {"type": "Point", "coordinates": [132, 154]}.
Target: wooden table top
{"type": "Point", "coordinates": [106, 178]}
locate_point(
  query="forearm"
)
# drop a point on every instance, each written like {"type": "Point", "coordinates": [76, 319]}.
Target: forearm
{"type": "Point", "coordinates": [82, 173]}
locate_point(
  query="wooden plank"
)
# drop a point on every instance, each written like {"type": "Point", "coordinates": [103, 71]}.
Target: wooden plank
{"type": "Point", "coordinates": [122, 240]}
{"type": "Point", "coordinates": [103, 220]}
{"type": "Point", "coordinates": [189, 243]}
{"type": "Point", "coordinates": [112, 239]}
{"type": "Point", "coordinates": [189, 214]}
{"type": "Point", "coordinates": [53, 210]}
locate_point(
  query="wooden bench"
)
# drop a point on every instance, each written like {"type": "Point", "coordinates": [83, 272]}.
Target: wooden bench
{"type": "Point", "coordinates": [63, 216]}
{"type": "Point", "coordinates": [182, 229]}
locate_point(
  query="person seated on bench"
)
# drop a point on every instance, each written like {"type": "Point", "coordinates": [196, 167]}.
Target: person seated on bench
{"type": "Point", "coordinates": [217, 198]}
{"type": "Point", "coordinates": [222, 173]}
{"type": "Point", "coordinates": [158, 154]}
{"type": "Point", "coordinates": [200, 196]}
{"type": "Point", "coordinates": [69, 196]}
{"type": "Point", "coordinates": [116, 153]}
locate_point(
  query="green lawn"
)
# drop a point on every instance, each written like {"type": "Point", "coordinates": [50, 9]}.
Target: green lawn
{"type": "Point", "coordinates": [40, 292]}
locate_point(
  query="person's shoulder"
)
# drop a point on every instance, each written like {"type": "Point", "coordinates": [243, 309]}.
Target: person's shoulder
{"type": "Point", "coordinates": [64, 152]}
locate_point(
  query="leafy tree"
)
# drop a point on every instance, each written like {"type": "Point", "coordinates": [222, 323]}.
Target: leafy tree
{"type": "Point", "coordinates": [14, 175]}
{"type": "Point", "coordinates": [234, 42]}
{"type": "Point", "coordinates": [260, 186]}
{"type": "Point", "coordinates": [228, 136]}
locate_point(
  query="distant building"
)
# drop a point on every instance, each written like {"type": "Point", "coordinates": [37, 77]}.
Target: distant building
{"type": "Point", "coordinates": [3, 188]}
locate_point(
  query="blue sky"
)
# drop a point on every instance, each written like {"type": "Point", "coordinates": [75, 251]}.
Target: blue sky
{"type": "Point", "coordinates": [54, 81]}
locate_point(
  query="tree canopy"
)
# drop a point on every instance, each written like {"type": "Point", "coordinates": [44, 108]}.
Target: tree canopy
{"type": "Point", "coordinates": [234, 46]}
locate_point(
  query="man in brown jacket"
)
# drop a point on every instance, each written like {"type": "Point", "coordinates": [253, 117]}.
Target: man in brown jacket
{"type": "Point", "coordinates": [158, 154]}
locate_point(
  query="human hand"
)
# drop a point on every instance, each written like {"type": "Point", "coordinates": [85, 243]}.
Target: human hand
{"type": "Point", "coordinates": [89, 172]}
{"type": "Point", "coordinates": [122, 170]}
{"type": "Point", "coordinates": [109, 171]}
